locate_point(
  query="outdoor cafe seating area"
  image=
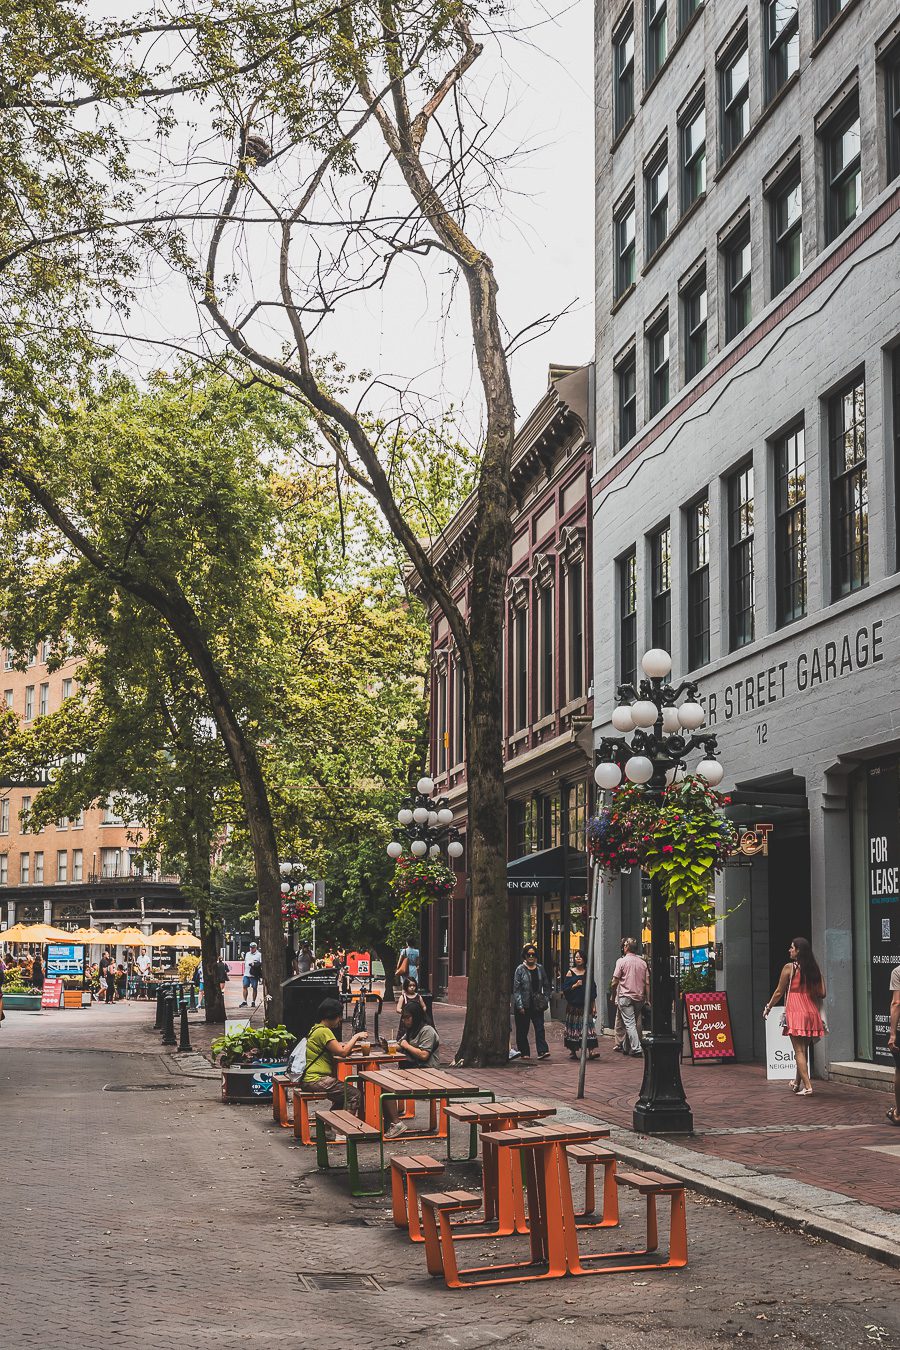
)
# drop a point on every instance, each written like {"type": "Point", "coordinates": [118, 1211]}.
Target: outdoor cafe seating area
{"type": "Point", "coordinates": [523, 1170]}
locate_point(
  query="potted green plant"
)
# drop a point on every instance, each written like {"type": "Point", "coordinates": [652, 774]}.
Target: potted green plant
{"type": "Point", "coordinates": [249, 1058]}
{"type": "Point", "coordinates": [20, 997]}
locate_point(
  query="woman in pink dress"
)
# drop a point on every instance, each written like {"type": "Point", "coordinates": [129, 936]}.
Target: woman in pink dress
{"type": "Point", "coordinates": [803, 989]}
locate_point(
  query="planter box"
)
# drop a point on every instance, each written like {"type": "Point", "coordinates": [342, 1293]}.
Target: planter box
{"type": "Point", "coordinates": [22, 1002]}
{"type": "Point", "coordinates": [250, 1082]}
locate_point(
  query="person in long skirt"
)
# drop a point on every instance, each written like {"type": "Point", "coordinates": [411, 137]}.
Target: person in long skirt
{"type": "Point", "coordinates": [803, 989]}
{"type": "Point", "coordinates": [575, 989]}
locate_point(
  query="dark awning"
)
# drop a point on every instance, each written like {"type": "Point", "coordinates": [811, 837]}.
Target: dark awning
{"type": "Point", "coordinates": [544, 872]}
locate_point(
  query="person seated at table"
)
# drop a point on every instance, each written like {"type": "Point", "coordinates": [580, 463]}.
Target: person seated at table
{"type": "Point", "coordinates": [417, 1042]}
{"type": "Point", "coordinates": [323, 1050]}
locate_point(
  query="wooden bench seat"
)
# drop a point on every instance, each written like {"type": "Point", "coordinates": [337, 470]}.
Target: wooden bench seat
{"type": "Point", "coordinates": [302, 1098]}
{"type": "Point", "coordinates": [406, 1172]}
{"type": "Point", "coordinates": [281, 1084]}
{"type": "Point", "coordinates": [590, 1157]}
{"type": "Point", "coordinates": [354, 1132]}
{"type": "Point", "coordinates": [437, 1207]}
{"type": "Point", "coordinates": [651, 1185]}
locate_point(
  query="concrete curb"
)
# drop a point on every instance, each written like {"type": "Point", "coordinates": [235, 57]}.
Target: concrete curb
{"type": "Point", "coordinates": [824, 1214]}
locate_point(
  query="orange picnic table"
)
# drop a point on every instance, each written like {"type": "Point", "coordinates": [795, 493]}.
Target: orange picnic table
{"type": "Point", "coordinates": [435, 1086]}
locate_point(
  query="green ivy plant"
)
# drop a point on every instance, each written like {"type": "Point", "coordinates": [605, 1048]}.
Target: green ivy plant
{"type": "Point", "coordinates": [416, 882]}
{"type": "Point", "coordinates": [689, 841]}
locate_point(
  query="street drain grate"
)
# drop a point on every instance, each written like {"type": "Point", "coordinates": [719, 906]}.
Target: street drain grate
{"type": "Point", "coordinates": [142, 1087]}
{"type": "Point", "coordinates": [314, 1282]}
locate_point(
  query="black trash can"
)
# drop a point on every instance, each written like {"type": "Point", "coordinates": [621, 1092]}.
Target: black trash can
{"type": "Point", "coordinates": [301, 997]}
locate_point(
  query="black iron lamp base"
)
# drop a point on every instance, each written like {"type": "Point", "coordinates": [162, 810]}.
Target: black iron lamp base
{"type": "Point", "coordinates": [661, 1108]}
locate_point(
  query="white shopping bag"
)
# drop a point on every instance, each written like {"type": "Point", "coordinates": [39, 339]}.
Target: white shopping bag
{"type": "Point", "coordinates": [780, 1061]}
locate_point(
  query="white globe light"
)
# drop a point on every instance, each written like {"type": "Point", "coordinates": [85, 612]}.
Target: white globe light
{"type": "Point", "coordinates": [435, 851]}
{"type": "Point", "coordinates": [284, 888]}
{"type": "Point", "coordinates": [394, 850]}
{"type": "Point", "coordinates": [455, 849]}
{"type": "Point", "coordinates": [671, 720]}
{"type": "Point", "coordinates": [644, 712]}
{"type": "Point", "coordinates": [622, 719]}
{"type": "Point", "coordinates": [607, 776]}
{"type": "Point", "coordinates": [711, 770]}
{"type": "Point", "coordinates": [445, 816]}
{"type": "Point", "coordinates": [432, 818]}
{"type": "Point", "coordinates": [425, 787]}
{"type": "Point", "coordinates": [284, 868]}
{"type": "Point", "coordinates": [638, 769]}
{"type": "Point", "coordinates": [656, 663]}
{"type": "Point", "coordinates": [405, 816]}
{"type": "Point", "coordinates": [419, 848]}
{"type": "Point", "coordinates": [691, 715]}
{"type": "Point", "coordinates": [420, 815]}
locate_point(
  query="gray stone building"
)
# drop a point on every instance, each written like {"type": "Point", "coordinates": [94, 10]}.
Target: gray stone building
{"type": "Point", "coordinates": [746, 482]}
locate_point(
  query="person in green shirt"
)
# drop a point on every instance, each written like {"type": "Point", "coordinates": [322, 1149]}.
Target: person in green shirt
{"type": "Point", "coordinates": [323, 1049]}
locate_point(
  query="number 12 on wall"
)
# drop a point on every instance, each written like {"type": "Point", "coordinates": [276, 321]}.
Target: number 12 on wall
{"type": "Point", "coordinates": [762, 733]}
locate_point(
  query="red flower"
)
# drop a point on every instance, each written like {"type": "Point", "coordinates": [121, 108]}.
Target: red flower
{"type": "Point", "coordinates": [667, 848]}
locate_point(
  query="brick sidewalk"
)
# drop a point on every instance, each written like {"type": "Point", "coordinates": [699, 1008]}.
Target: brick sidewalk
{"type": "Point", "coordinates": [837, 1139]}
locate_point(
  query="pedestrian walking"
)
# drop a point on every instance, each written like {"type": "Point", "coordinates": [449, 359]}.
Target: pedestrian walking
{"type": "Point", "coordinates": [407, 962]}
{"type": "Point", "coordinates": [410, 994]}
{"type": "Point", "coordinates": [531, 999]}
{"type": "Point", "coordinates": [580, 1010]}
{"type": "Point", "coordinates": [222, 974]}
{"type": "Point", "coordinates": [252, 974]}
{"type": "Point", "coordinates": [631, 989]}
{"type": "Point", "coordinates": [803, 990]}
{"type": "Point", "coordinates": [893, 1114]}
{"type": "Point", "coordinates": [109, 979]}
{"type": "Point", "coordinates": [621, 1040]}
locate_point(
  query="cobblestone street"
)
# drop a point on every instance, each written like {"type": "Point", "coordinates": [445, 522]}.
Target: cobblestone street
{"type": "Point", "coordinates": [138, 1210]}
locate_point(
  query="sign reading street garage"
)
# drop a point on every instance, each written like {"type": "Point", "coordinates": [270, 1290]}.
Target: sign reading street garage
{"type": "Point", "coordinates": [808, 670]}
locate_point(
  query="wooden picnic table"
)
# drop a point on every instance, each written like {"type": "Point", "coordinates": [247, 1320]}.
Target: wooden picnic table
{"type": "Point", "coordinates": [505, 1115]}
{"type": "Point", "coordinates": [502, 1185]}
{"type": "Point", "coordinates": [365, 1059]}
{"type": "Point", "coordinates": [435, 1086]}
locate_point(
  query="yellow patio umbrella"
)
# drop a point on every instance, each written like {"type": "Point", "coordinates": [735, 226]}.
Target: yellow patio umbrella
{"type": "Point", "coordinates": [133, 936]}
{"type": "Point", "coordinates": [33, 932]}
{"type": "Point", "coordinates": [85, 936]}
{"type": "Point", "coordinates": [110, 935]}
{"type": "Point", "coordinates": [185, 939]}
{"type": "Point", "coordinates": [160, 939]}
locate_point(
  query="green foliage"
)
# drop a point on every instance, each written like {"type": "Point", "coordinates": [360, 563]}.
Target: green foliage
{"type": "Point", "coordinates": [690, 840]}
{"type": "Point", "coordinates": [416, 882]}
{"type": "Point", "coordinates": [243, 1047]}
{"type": "Point", "coordinates": [697, 980]}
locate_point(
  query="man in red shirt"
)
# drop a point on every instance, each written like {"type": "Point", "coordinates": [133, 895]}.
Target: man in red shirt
{"type": "Point", "coordinates": [631, 988]}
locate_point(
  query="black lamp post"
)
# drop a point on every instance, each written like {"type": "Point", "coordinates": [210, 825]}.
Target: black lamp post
{"type": "Point", "coordinates": [425, 826]}
{"type": "Point", "coordinates": [663, 733]}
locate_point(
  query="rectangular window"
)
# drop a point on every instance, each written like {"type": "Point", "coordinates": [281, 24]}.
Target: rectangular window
{"type": "Point", "coordinates": [843, 170]}
{"type": "Point", "coordinates": [77, 822]}
{"type": "Point", "coordinates": [45, 650]}
{"type": "Point", "coordinates": [441, 730]}
{"type": "Point", "coordinates": [790, 526]}
{"type": "Point", "coordinates": [62, 865]}
{"type": "Point", "coordinates": [110, 862]}
{"type": "Point", "coordinates": [661, 588]}
{"type": "Point", "coordinates": [4, 816]}
{"type": "Point", "coordinates": [892, 111]}
{"type": "Point", "coordinates": [8, 697]}
{"type": "Point", "coordinates": [849, 489]}
{"type": "Point", "coordinates": [29, 702]}
{"type": "Point", "coordinates": [658, 364]}
{"type": "Point", "coordinates": [657, 27]}
{"type": "Point", "coordinates": [698, 583]}
{"type": "Point", "coordinates": [786, 212]}
{"type": "Point", "coordinates": [692, 149]}
{"type": "Point", "coordinates": [740, 557]}
{"type": "Point", "coordinates": [546, 651]}
{"type": "Point", "coordinates": [782, 44]}
{"type": "Point", "coordinates": [623, 73]}
{"type": "Point", "coordinates": [77, 864]}
{"type": "Point", "coordinates": [895, 403]}
{"type": "Point", "coordinates": [576, 814]}
{"type": "Point", "coordinates": [738, 296]}
{"type": "Point", "coordinates": [628, 618]}
{"type": "Point", "coordinates": [8, 658]}
{"type": "Point", "coordinates": [826, 13]}
{"type": "Point", "coordinates": [656, 180]}
{"type": "Point", "coordinates": [459, 712]}
{"type": "Point", "coordinates": [23, 815]}
{"type": "Point", "coordinates": [626, 379]}
{"type": "Point", "coordinates": [67, 688]}
{"type": "Point", "coordinates": [624, 241]}
{"type": "Point", "coordinates": [734, 97]}
{"type": "Point", "coordinates": [39, 869]}
{"type": "Point", "coordinates": [25, 869]}
{"type": "Point", "coordinates": [686, 11]}
{"type": "Point", "coordinates": [62, 823]}
{"type": "Point", "coordinates": [44, 700]}
{"type": "Point", "coordinates": [694, 309]}
{"type": "Point", "coordinates": [32, 655]}
{"type": "Point", "coordinates": [575, 588]}
{"type": "Point", "coordinates": [520, 667]}
{"type": "Point", "coordinates": [4, 869]}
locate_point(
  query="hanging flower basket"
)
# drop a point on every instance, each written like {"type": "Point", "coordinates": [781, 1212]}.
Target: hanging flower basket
{"type": "Point", "coordinates": [416, 882]}
{"type": "Point", "coordinates": [682, 840]}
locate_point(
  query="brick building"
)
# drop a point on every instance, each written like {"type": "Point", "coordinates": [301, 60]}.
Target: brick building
{"type": "Point", "coordinates": [82, 870]}
{"type": "Point", "coordinates": [547, 702]}
{"type": "Point", "coordinates": [746, 486]}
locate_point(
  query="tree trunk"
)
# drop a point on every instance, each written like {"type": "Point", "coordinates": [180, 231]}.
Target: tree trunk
{"type": "Point", "coordinates": [387, 955]}
{"type": "Point", "coordinates": [213, 996]}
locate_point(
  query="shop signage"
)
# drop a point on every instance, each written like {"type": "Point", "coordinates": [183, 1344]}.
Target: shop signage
{"type": "Point", "coordinates": [52, 994]}
{"type": "Point", "coordinates": [752, 842]}
{"type": "Point", "coordinates": [545, 885]}
{"type": "Point", "coordinates": [359, 963]}
{"type": "Point", "coordinates": [709, 1025]}
{"type": "Point", "coordinates": [64, 958]}
{"type": "Point", "coordinates": [883, 878]}
{"type": "Point", "coordinates": [810, 668]}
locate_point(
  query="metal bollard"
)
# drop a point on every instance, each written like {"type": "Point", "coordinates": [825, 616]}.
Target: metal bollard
{"type": "Point", "coordinates": [168, 1037]}
{"type": "Point", "coordinates": [158, 1024]}
{"type": "Point", "coordinates": [192, 1003]}
{"type": "Point", "coordinates": [184, 1039]}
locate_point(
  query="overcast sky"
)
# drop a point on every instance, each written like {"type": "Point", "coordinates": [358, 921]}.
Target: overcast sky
{"type": "Point", "coordinates": [539, 84]}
